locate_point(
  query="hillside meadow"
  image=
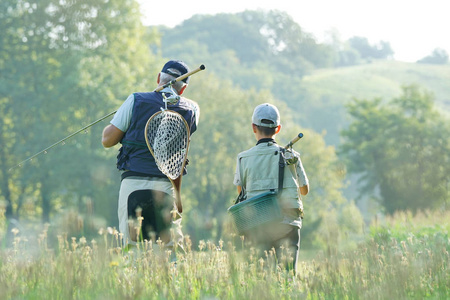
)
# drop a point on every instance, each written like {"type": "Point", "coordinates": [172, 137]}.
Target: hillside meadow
{"type": "Point", "coordinates": [380, 78]}
{"type": "Point", "coordinates": [324, 93]}
{"type": "Point", "coordinates": [400, 257]}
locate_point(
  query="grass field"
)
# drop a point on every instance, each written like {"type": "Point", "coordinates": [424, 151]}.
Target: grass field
{"type": "Point", "coordinates": [403, 257]}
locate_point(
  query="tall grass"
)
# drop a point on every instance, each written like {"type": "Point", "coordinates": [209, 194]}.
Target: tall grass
{"type": "Point", "coordinates": [404, 257]}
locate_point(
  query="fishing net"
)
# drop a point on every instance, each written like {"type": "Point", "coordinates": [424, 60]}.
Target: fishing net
{"type": "Point", "coordinates": [167, 137]}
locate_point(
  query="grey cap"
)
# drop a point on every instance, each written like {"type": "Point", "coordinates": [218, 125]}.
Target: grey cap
{"type": "Point", "coordinates": [266, 111]}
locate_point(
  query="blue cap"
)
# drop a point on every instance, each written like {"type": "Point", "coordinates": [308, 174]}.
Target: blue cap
{"type": "Point", "coordinates": [176, 68]}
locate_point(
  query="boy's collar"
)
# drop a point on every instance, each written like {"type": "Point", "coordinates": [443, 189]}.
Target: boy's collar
{"type": "Point", "coordinates": [266, 140]}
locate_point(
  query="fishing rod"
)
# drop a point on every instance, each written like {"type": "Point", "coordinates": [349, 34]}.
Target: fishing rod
{"type": "Point", "coordinates": [61, 141]}
{"type": "Point", "coordinates": [160, 88]}
{"type": "Point", "coordinates": [289, 156]}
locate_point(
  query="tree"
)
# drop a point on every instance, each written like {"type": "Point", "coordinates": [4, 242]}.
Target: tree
{"type": "Point", "coordinates": [258, 40]}
{"type": "Point", "coordinates": [438, 57]}
{"type": "Point", "coordinates": [382, 50]}
{"type": "Point", "coordinates": [261, 50]}
{"type": "Point", "coordinates": [401, 150]}
{"type": "Point", "coordinates": [64, 63]}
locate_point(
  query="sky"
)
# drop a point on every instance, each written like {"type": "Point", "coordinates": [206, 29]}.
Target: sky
{"type": "Point", "coordinates": [414, 28]}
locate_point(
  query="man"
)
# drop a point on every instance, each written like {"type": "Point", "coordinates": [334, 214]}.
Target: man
{"type": "Point", "coordinates": [257, 171]}
{"type": "Point", "coordinates": [146, 194]}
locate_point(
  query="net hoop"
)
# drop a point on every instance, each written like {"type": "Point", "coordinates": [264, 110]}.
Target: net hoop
{"type": "Point", "coordinates": [167, 137]}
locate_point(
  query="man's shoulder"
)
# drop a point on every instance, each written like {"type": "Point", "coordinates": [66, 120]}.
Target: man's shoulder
{"type": "Point", "coordinates": [145, 95]}
{"type": "Point", "coordinates": [190, 104]}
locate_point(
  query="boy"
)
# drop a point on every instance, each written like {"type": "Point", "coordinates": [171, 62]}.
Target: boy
{"type": "Point", "coordinates": [257, 171]}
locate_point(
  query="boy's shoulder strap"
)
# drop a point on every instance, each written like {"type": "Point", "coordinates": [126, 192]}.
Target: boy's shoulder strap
{"type": "Point", "coordinates": [281, 165]}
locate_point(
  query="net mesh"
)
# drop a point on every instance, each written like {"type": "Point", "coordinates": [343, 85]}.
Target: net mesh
{"type": "Point", "coordinates": [168, 139]}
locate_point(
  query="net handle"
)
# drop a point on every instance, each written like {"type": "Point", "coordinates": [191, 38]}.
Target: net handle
{"type": "Point", "coordinates": [176, 183]}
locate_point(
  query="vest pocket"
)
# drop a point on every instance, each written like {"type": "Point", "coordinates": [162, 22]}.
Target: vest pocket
{"type": "Point", "coordinates": [262, 185]}
{"type": "Point", "coordinates": [122, 158]}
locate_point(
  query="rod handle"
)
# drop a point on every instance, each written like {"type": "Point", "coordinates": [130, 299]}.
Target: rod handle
{"type": "Point", "coordinates": [294, 140]}
{"type": "Point", "coordinates": [202, 67]}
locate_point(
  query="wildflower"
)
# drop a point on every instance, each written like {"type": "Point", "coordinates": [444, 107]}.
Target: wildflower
{"type": "Point", "coordinates": [403, 245]}
{"type": "Point", "coordinates": [410, 240]}
{"type": "Point", "coordinates": [201, 245]}
{"type": "Point", "coordinates": [261, 262]}
{"type": "Point", "coordinates": [113, 264]}
{"type": "Point", "coordinates": [74, 243]}
{"type": "Point", "coordinates": [404, 261]}
{"type": "Point", "coordinates": [121, 236]}
{"type": "Point", "coordinates": [174, 214]}
{"type": "Point", "coordinates": [210, 245]}
{"type": "Point", "coordinates": [138, 230]}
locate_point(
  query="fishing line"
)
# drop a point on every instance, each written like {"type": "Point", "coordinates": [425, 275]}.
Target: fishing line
{"type": "Point", "coordinates": [62, 141]}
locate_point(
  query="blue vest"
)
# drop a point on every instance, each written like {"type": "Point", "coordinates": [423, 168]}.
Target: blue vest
{"type": "Point", "coordinates": [134, 154]}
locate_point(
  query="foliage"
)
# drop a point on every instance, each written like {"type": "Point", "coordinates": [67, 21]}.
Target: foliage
{"type": "Point", "coordinates": [255, 37]}
{"type": "Point", "coordinates": [382, 50]}
{"type": "Point", "coordinates": [406, 225]}
{"type": "Point", "coordinates": [255, 49]}
{"type": "Point", "coordinates": [399, 149]}
{"type": "Point", "coordinates": [416, 267]}
{"type": "Point", "coordinates": [321, 104]}
{"type": "Point", "coordinates": [438, 57]}
{"type": "Point", "coordinates": [63, 63]}
{"type": "Point", "coordinates": [302, 73]}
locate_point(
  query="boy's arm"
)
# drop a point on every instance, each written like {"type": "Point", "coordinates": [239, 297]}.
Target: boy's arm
{"type": "Point", "coordinates": [237, 177]}
{"type": "Point", "coordinates": [302, 178]}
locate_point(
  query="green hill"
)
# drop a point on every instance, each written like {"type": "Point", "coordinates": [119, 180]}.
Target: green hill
{"type": "Point", "coordinates": [326, 91]}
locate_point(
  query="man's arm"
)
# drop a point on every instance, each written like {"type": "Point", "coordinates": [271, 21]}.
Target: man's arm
{"type": "Point", "coordinates": [111, 136]}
